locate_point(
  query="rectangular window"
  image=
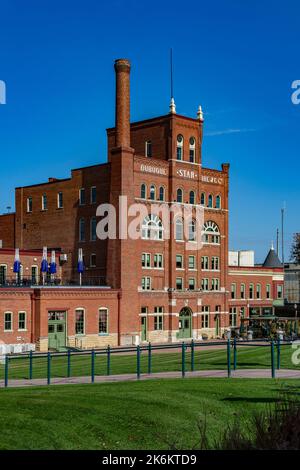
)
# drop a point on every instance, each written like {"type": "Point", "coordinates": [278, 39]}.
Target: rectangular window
{"type": "Point", "coordinates": [93, 229]}
{"type": "Point", "coordinates": [179, 262]}
{"type": "Point", "coordinates": [192, 262]}
{"type": "Point", "coordinates": [44, 202]}
{"type": "Point", "coordinates": [93, 260]}
{"type": "Point", "coordinates": [60, 200]}
{"type": "Point", "coordinates": [158, 323]}
{"type": "Point", "coordinates": [279, 291]}
{"type": "Point", "coordinates": [179, 283]}
{"type": "Point", "coordinates": [22, 321]}
{"type": "Point", "coordinates": [268, 291]}
{"type": "Point", "coordinates": [146, 283]}
{"type": "Point", "coordinates": [192, 155]}
{"type": "Point", "coordinates": [79, 322]}
{"type": "Point", "coordinates": [215, 263]}
{"type": "Point", "coordinates": [242, 291]}
{"type": "Point", "coordinates": [103, 321]}
{"type": "Point", "coordinates": [233, 291]}
{"type": "Point", "coordinates": [29, 204]}
{"type": "Point", "coordinates": [144, 310]}
{"type": "Point", "coordinates": [258, 291]}
{"type": "Point", "coordinates": [205, 284]}
{"type": "Point", "coordinates": [205, 317]}
{"type": "Point", "coordinates": [251, 291]}
{"type": "Point", "coordinates": [215, 284]}
{"type": "Point", "coordinates": [192, 284]}
{"type": "Point", "coordinates": [204, 262]}
{"type": "Point", "coordinates": [82, 196]}
{"type": "Point", "coordinates": [158, 260]}
{"type": "Point", "coordinates": [146, 260]}
{"type": "Point", "coordinates": [8, 321]}
{"type": "Point", "coordinates": [232, 316]}
{"type": "Point", "coordinates": [81, 230]}
{"type": "Point", "coordinates": [148, 148]}
{"type": "Point", "coordinates": [93, 195]}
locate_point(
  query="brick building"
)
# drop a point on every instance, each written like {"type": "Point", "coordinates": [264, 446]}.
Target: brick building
{"type": "Point", "coordinates": [154, 288]}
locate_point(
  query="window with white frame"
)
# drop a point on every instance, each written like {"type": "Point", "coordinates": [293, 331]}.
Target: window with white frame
{"type": "Point", "coordinates": [60, 200]}
{"type": "Point", "coordinates": [44, 202]}
{"type": "Point", "coordinates": [146, 283]}
{"type": "Point", "coordinates": [143, 191]}
{"type": "Point", "coordinates": [215, 265]}
{"type": "Point", "coordinates": [82, 196]}
{"type": "Point", "coordinates": [179, 195]}
{"type": "Point", "coordinates": [279, 291]}
{"type": "Point", "coordinates": [158, 261]}
{"type": "Point", "coordinates": [204, 262]}
{"type": "Point", "coordinates": [210, 233]}
{"type": "Point", "coordinates": [233, 291]}
{"type": "Point", "coordinates": [29, 204]}
{"type": "Point", "coordinates": [192, 262]}
{"type": "Point", "coordinates": [192, 283]}
{"type": "Point", "coordinates": [205, 284]}
{"type": "Point", "coordinates": [79, 321]}
{"type": "Point", "coordinates": [192, 230]}
{"type": "Point", "coordinates": [152, 228]}
{"type": "Point", "coordinates": [146, 260]}
{"type": "Point", "coordinates": [215, 284]}
{"type": "Point", "coordinates": [179, 229]}
{"type": "Point", "coordinates": [103, 321]}
{"type": "Point", "coordinates": [205, 316]}
{"type": "Point", "coordinates": [192, 152]}
{"type": "Point", "coordinates": [152, 192]}
{"type": "Point", "coordinates": [179, 261]}
{"type": "Point", "coordinates": [7, 321]}
{"type": "Point", "coordinates": [258, 291]}
{"type": "Point", "coordinates": [232, 316]}
{"type": "Point", "coordinates": [243, 291]}
{"type": "Point", "coordinates": [268, 291]}
{"type": "Point", "coordinates": [251, 291]}
{"type": "Point", "coordinates": [158, 318]}
{"type": "Point", "coordinates": [148, 148]}
{"type": "Point", "coordinates": [179, 153]}
{"type": "Point", "coordinates": [22, 321]}
{"type": "Point", "coordinates": [179, 283]}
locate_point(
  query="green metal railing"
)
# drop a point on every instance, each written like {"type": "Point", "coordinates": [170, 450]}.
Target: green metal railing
{"type": "Point", "coordinates": [184, 357]}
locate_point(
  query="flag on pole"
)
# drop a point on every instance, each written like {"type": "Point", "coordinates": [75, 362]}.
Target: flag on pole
{"type": "Point", "coordinates": [53, 263]}
{"type": "Point", "coordinates": [44, 264]}
{"type": "Point", "coordinates": [17, 262]}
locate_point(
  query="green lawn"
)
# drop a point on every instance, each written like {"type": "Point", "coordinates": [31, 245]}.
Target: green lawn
{"type": "Point", "coordinates": [247, 357]}
{"type": "Point", "coordinates": [130, 415]}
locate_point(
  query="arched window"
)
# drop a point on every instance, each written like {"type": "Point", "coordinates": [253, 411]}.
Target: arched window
{"type": "Point", "coordinates": [179, 154]}
{"type": "Point", "coordinates": [81, 229]}
{"type": "Point", "coordinates": [143, 191]}
{"type": "Point", "coordinates": [161, 193]}
{"type": "Point", "coordinates": [202, 199]}
{"type": "Point", "coordinates": [152, 192]}
{"type": "Point", "coordinates": [192, 149]}
{"type": "Point", "coordinates": [210, 201]}
{"type": "Point", "coordinates": [192, 197]}
{"type": "Point", "coordinates": [218, 202]}
{"type": "Point", "coordinates": [179, 229]}
{"type": "Point", "coordinates": [192, 231]}
{"type": "Point", "coordinates": [179, 195]}
{"type": "Point", "coordinates": [258, 291]}
{"type": "Point", "coordinates": [152, 228]}
{"type": "Point", "coordinates": [93, 229]}
{"type": "Point", "coordinates": [210, 233]}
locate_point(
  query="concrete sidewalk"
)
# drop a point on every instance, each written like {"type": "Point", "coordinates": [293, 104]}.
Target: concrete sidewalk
{"type": "Point", "coordinates": [242, 373]}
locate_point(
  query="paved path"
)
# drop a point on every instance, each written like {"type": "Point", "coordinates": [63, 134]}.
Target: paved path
{"type": "Point", "coordinates": [242, 373]}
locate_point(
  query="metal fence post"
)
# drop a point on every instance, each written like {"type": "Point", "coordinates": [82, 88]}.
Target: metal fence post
{"type": "Point", "coordinates": [30, 365]}
{"type": "Point", "coordinates": [183, 359]}
{"type": "Point", "coordinates": [108, 360]}
{"type": "Point", "coordinates": [48, 368]}
{"type": "Point", "coordinates": [149, 358]}
{"type": "Point", "coordinates": [192, 356]}
{"type": "Point", "coordinates": [278, 353]}
{"type": "Point", "coordinates": [228, 359]}
{"type": "Point", "coordinates": [69, 363]}
{"type": "Point", "coordinates": [272, 360]}
{"type": "Point", "coordinates": [93, 367]}
{"type": "Point", "coordinates": [6, 371]}
{"type": "Point", "coordinates": [234, 353]}
{"type": "Point", "coordinates": [138, 362]}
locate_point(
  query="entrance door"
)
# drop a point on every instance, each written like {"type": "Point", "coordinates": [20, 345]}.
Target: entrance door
{"type": "Point", "coordinates": [56, 330]}
{"type": "Point", "coordinates": [185, 323]}
{"type": "Point", "coordinates": [143, 328]}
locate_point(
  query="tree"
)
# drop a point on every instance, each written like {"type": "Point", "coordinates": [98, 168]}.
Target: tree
{"type": "Point", "coordinates": [295, 251]}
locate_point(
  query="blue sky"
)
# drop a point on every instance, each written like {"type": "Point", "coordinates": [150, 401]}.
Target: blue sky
{"type": "Point", "coordinates": [235, 58]}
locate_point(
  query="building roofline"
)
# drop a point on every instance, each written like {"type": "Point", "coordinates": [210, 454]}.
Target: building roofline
{"type": "Point", "coordinates": [168, 116]}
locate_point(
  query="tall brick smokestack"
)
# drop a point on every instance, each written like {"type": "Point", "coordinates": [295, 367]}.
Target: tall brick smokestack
{"type": "Point", "coordinates": [122, 68]}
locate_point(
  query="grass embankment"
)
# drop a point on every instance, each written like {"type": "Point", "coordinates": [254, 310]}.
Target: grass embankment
{"type": "Point", "coordinates": [131, 415]}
